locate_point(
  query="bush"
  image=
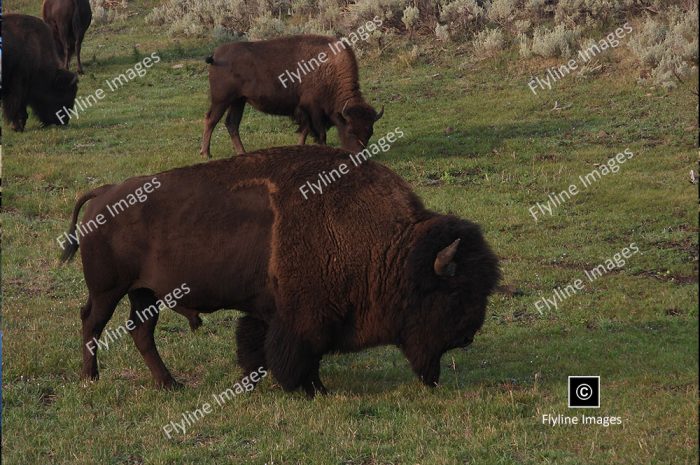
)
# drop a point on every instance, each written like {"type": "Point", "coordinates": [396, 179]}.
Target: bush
{"type": "Point", "coordinates": [196, 17]}
{"type": "Point", "coordinates": [104, 12]}
{"type": "Point", "coordinates": [488, 42]}
{"type": "Point", "coordinates": [462, 17]}
{"type": "Point", "coordinates": [667, 47]}
{"type": "Point", "coordinates": [550, 43]}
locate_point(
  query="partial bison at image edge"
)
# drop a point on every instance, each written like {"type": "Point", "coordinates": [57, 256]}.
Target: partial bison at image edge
{"type": "Point", "coordinates": [32, 74]}
{"type": "Point", "coordinates": [362, 265]}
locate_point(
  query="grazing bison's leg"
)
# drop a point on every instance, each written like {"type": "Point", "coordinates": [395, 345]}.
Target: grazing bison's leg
{"type": "Point", "coordinates": [216, 111]}
{"type": "Point", "coordinates": [288, 356]}
{"type": "Point", "coordinates": [95, 314]}
{"type": "Point", "coordinates": [302, 135]}
{"type": "Point", "coordinates": [250, 339]}
{"type": "Point", "coordinates": [312, 384]}
{"type": "Point", "coordinates": [141, 300]}
{"type": "Point", "coordinates": [318, 127]}
{"type": "Point", "coordinates": [191, 315]}
{"type": "Point", "coordinates": [233, 120]}
{"type": "Point", "coordinates": [14, 104]}
{"type": "Point", "coordinates": [78, 46]}
{"type": "Point", "coordinates": [64, 43]}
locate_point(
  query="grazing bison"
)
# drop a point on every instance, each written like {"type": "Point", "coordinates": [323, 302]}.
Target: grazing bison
{"type": "Point", "coordinates": [313, 79]}
{"type": "Point", "coordinates": [32, 74]}
{"type": "Point", "coordinates": [68, 20]}
{"type": "Point", "coordinates": [364, 264]}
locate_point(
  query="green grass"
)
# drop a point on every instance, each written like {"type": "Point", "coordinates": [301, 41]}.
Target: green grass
{"type": "Point", "coordinates": [636, 327]}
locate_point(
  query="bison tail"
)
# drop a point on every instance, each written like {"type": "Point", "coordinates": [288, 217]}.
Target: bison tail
{"type": "Point", "coordinates": [73, 242]}
{"type": "Point", "coordinates": [210, 59]}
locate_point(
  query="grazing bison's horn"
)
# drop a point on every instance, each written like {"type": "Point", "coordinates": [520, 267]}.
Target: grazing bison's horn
{"type": "Point", "coordinates": [342, 112]}
{"type": "Point", "coordinates": [443, 262]}
{"type": "Point", "coordinates": [73, 80]}
{"type": "Point", "coordinates": [380, 114]}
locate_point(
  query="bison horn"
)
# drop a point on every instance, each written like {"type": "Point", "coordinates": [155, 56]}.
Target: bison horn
{"type": "Point", "coordinates": [342, 112]}
{"type": "Point", "coordinates": [74, 80]}
{"type": "Point", "coordinates": [444, 266]}
{"type": "Point", "coordinates": [380, 114]}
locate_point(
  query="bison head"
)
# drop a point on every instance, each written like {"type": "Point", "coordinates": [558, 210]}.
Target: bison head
{"type": "Point", "coordinates": [356, 124]}
{"type": "Point", "coordinates": [57, 93]}
{"type": "Point", "coordinates": [452, 271]}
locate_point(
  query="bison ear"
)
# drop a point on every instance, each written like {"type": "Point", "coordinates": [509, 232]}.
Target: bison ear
{"type": "Point", "coordinates": [444, 266]}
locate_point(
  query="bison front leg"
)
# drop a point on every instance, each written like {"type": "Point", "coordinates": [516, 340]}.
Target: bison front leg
{"type": "Point", "coordinates": [250, 339]}
{"type": "Point", "coordinates": [312, 385]}
{"type": "Point", "coordinates": [289, 357]}
{"type": "Point", "coordinates": [318, 126]}
{"type": "Point", "coordinates": [144, 315]}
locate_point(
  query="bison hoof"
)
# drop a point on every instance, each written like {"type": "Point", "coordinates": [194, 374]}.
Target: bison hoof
{"type": "Point", "coordinates": [169, 385]}
{"type": "Point", "coordinates": [90, 377]}
{"type": "Point", "coordinates": [195, 322]}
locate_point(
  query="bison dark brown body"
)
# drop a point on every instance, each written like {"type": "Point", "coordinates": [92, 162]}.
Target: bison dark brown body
{"type": "Point", "coordinates": [326, 92]}
{"type": "Point", "coordinates": [68, 20]}
{"type": "Point", "coordinates": [32, 74]}
{"type": "Point", "coordinates": [364, 264]}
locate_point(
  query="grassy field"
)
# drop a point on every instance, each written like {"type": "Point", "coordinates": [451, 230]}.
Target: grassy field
{"type": "Point", "coordinates": [478, 144]}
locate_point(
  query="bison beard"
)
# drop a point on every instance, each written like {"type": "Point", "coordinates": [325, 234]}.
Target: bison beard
{"type": "Point", "coordinates": [31, 73]}
{"type": "Point", "coordinates": [363, 265]}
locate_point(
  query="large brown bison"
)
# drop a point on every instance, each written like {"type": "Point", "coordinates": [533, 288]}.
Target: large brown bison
{"type": "Point", "coordinates": [364, 264]}
{"type": "Point", "coordinates": [313, 79]}
{"type": "Point", "coordinates": [32, 74]}
{"type": "Point", "coordinates": [68, 20]}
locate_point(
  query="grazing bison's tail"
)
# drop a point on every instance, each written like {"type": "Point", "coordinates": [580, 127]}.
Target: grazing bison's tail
{"type": "Point", "coordinates": [210, 59]}
{"type": "Point", "coordinates": [72, 238]}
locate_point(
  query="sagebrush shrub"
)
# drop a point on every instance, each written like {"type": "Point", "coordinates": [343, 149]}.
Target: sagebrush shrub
{"type": "Point", "coordinates": [462, 16]}
{"type": "Point", "coordinates": [488, 42]}
{"type": "Point", "coordinates": [103, 12]}
{"type": "Point", "coordinates": [667, 46]}
{"type": "Point", "coordinates": [550, 43]}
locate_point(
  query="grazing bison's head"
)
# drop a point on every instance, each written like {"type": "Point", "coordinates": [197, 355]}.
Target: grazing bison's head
{"type": "Point", "coordinates": [356, 124]}
{"type": "Point", "coordinates": [57, 95]}
{"type": "Point", "coordinates": [453, 271]}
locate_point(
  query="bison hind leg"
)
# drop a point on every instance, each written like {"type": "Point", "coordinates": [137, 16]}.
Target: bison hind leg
{"type": "Point", "coordinates": [144, 315]}
{"type": "Point", "coordinates": [250, 339]}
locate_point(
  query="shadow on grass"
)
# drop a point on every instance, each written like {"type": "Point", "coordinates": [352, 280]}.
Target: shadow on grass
{"type": "Point", "coordinates": [513, 357]}
{"type": "Point", "coordinates": [480, 140]}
